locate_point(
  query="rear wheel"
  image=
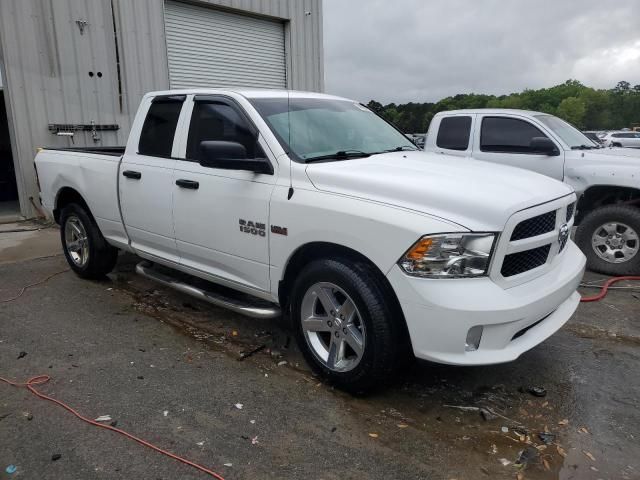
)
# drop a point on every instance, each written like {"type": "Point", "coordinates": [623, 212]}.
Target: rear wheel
{"type": "Point", "coordinates": [610, 238]}
{"type": "Point", "coordinates": [345, 324]}
{"type": "Point", "coordinates": [86, 250]}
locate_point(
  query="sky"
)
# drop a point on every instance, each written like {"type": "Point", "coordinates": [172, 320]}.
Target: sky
{"type": "Point", "coordinates": [424, 50]}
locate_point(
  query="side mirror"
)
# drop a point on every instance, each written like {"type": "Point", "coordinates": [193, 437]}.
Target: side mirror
{"type": "Point", "coordinates": [231, 156]}
{"type": "Point", "coordinates": [543, 146]}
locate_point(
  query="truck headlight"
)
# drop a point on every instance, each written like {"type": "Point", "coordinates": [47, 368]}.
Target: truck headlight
{"type": "Point", "coordinates": [449, 255]}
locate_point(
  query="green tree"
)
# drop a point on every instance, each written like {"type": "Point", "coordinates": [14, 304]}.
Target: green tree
{"type": "Point", "coordinates": [572, 109]}
{"type": "Point", "coordinates": [579, 104]}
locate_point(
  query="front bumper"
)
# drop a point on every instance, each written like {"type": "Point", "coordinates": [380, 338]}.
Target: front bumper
{"type": "Point", "coordinates": [439, 313]}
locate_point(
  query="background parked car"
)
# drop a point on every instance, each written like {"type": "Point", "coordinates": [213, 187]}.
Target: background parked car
{"type": "Point", "coordinates": [622, 139]}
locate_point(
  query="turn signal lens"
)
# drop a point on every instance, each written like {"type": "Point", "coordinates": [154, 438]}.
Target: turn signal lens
{"type": "Point", "coordinates": [450, 255]}
{"type": "Point", "coordinates": [420, 249]}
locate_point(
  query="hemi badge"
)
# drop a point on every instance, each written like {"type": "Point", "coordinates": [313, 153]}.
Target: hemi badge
{"type": "Point", "coordinates": [279, 230]}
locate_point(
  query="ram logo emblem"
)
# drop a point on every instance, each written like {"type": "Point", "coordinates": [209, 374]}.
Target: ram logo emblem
{"type": "Point", "coordinates": [253, 228]}
{"type": "Point", "coordinates": [563, 235]}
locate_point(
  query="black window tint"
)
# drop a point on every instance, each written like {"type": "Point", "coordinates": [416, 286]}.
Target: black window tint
{"type": "Point", "coordinates": [509, 135]}
{"type": "Point", "coordinates": [454, 132]}
{"type": "Point", "coordinates": [222, 122]}
{"type": "Point", "coordinates": [159, 128]}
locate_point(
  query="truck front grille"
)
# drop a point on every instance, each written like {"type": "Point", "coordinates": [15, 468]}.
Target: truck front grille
{"type": "Point", "coordinates": [532, 227]}
{"type": "Point", "coordinates": [532, 239]}
{"type": "Point", "coordinates": [521, 262]}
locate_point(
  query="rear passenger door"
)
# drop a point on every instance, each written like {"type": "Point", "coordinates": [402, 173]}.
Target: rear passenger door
{"type": "Point", "coordinates": [146, 179]}
{"type": "Point", "coordinates": [221, 216]}
{"type": "Point", "coordinates": [507, 140]}
{"type": "Point", "coordinates": [454, 135]}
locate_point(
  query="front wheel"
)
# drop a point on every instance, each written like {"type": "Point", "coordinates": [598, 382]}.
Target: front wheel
{"type": "Point", "coordinates": [87, 252]}
{"type": "Point", "coordinates": [346, 325]}
{"type": "Point", "coordinates": [610, 238]}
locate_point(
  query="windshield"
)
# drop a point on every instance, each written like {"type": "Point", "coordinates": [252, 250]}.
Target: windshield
{"type": "Point", "coordinates": [322, 128]}
{"type": "Point", "coordinates": [570, 135]}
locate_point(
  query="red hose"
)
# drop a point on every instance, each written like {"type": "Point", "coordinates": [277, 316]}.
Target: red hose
{"type": "Point", "coordinates": [42, 379]}
{"type": "Point", "coordinates": [605, 287]}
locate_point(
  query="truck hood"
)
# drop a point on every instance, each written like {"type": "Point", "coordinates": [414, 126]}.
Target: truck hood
{"type": "Point", "coordinates": [479, 196]}
{"type": "Point", "coordinates": [619, 167]}
{"type": "Point", "coordinates": [621, 156]}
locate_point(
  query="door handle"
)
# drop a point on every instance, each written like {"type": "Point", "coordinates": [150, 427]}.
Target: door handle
{"type": "Point", "coordinates": [132, 174]}
{"type": "Point", "coordinates": [190, 184]}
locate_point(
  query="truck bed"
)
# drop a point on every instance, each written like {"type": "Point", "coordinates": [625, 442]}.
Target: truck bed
{"type": "Point", "coordinates": [115, 151]}
{"type": "Point", "coordinates": [91, 173]}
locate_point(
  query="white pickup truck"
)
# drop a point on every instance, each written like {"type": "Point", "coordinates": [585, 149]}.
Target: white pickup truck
{"type": "Point", "coordinates": [309, 205]}
{"type": "Point", "coordinates": [606, 180]}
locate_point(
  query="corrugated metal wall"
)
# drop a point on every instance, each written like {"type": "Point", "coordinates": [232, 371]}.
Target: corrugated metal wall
{"type": "Point", "coordinates": [47, 62]}
{"type": "Point", "coordinates": [210, 47]}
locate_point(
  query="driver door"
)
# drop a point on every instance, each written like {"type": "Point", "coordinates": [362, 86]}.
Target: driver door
{"type": "Point", "coordinates": [506, 140]}
{"type": "Point", "coordinates": [221, 216]}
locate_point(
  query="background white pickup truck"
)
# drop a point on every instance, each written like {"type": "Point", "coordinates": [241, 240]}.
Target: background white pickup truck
{"type": "Point", "coordinates": [606, 180]}
{"type": "Point", "coordinates": [313, 206]}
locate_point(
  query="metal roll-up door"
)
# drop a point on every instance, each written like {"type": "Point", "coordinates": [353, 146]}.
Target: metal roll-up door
{"type": "Point", "coordinates": [214, 48]}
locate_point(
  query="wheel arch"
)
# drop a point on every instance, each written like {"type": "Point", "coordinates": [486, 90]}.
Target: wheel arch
{"type": "Point", "coordinates": [64, 197]}
{"type": "Point", "coordinates": [309, 252]}
{"type": "Point", "coordinates": [602, 195]}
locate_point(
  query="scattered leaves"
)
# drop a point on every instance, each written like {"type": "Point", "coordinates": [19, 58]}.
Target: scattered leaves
{"type": "Point", "coordinates": [564, 422]}
{"type": "Point", "coordinates": [373, 435]}
{"type": "Point", "coordinates": [234, 333]}
{"type": "Point", "coordinates": [583, 430]}
{"type": "Point", "coordinates": [589, 455]}
{"type": "Point", "coordinates": [545, 462]}
{"type": "Point", "coordinates": [561, 451]}
{"type": "Point", "coordinates": [402, 425]}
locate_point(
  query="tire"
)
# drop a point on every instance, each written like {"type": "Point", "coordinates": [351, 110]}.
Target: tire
{"type": "Point", "coordinates": [592, 233]}
{"type": "Point", "coordinates": [87, 252]}
{"type": "Point", "coordinates": [375, 317]}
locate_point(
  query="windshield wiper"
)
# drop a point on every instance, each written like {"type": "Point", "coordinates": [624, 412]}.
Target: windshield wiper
{"type": "Point", "coordinates": [401, 149]}
{"type": "Point", "coordinates": [339, 155]}
{"type": "Point", "coordinates": [583, 147]}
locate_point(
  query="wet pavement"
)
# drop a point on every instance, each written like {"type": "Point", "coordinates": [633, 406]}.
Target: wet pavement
{"type": "Point", "coordinates": [130, 349]}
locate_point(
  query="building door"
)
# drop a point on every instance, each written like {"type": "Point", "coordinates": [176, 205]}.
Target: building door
{"type": "Point", "coordinates": [8, 188]}
{"type": "Point", "coordinates": [214, 48]}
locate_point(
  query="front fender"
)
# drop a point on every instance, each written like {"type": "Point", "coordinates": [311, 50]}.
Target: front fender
{"type": "Point", "coordinates": [379, 232]}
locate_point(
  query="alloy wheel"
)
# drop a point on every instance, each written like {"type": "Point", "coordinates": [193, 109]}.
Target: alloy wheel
{"type": "Point", "coordinates": [76, 241]}
{"type": "Point", "coordinates": [615, 242]}
{"type": "Point", "coordinates": [333, 327]}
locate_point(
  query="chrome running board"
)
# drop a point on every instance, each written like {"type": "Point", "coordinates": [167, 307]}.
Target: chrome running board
{"type": "Point", "coordinates": [242, 307]}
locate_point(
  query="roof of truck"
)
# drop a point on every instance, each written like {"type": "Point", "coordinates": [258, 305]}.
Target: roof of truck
{"type": "Point", "coordinates": [246, 92]}
{"type": "Point", "coordinates": [495, 111]}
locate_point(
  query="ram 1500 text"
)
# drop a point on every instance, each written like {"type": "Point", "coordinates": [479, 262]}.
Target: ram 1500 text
{"type": "Point", "coordinates": [312, 206]}
{"type": "Point", "coordinates": [606, 180]}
